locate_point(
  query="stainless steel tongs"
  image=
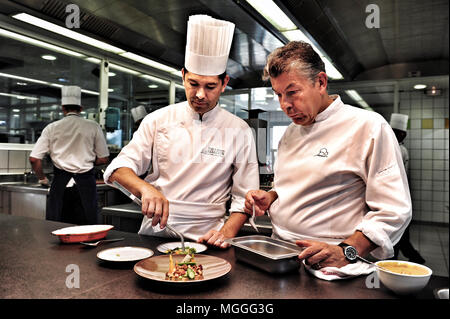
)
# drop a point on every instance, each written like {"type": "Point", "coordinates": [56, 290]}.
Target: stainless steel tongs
{"type": "Point", "coordinates": [138, 201]}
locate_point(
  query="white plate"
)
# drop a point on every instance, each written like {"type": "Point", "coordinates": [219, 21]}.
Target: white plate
{"type": "Point", "coordinates": [155, 268]}
{"type": "Point", "coordinates": [125, 254]}
{"type": "Point", "coordinates": [198, 247]}
{"type": "Point", "coordinates": [79, 230]}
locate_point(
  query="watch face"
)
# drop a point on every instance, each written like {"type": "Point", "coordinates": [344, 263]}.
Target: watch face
{"type": "Point", "coordinates": [350, 252]}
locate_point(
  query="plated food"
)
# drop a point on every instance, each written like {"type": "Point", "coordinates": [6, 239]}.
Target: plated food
{"type": "Point", "coordinates": [175, 248]}
{"type": "Point", "coordinates": [187, 269]}
{"type": "Point", "coordinates": [76, 234]}
{"type": "Point", "coordinates": [157, 267]}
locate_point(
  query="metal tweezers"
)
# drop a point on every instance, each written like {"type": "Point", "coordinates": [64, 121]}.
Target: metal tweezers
{"type": "Point", "coordinates": [138, 201]}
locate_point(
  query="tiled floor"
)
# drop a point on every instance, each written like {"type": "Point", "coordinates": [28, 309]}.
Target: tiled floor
{"type": "Point", "coordinates": [432, 243]}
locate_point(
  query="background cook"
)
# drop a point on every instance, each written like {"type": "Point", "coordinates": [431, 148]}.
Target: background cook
{"type": "Point", "coordinates": [196, 153]}
{"type": "Point", "coordinates": [339, 177]}
{"type": "Point", "coordinates": [75, 145]}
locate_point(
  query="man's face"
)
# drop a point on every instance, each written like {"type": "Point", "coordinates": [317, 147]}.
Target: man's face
{"type": "Point", "coordinates": [203, 92]}
{"type": "Point", "coordinates": [300, 98]}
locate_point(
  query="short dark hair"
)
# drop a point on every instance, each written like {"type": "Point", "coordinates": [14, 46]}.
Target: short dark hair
{"type": "Point", "coordinates": [221, 76]}
{"type": "Point", "coordinates": [296, 55]}
{"type": "Point", "coordinates": [72, 107]}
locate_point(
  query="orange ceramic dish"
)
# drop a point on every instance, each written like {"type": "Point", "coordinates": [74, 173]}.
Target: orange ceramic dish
{"type": "Point", "coordinates": [76, 234]}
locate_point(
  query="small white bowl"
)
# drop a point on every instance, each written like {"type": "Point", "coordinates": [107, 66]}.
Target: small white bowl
{"type": "Point", "coordinates": [402, 284]}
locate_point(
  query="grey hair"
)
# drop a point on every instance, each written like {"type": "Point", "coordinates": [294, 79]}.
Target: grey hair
{"type": "Point", "coordinates": [295, 56]}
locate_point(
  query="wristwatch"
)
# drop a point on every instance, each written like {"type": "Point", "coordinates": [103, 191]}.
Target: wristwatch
{"type": "Point", "coordinates": [350, 252]}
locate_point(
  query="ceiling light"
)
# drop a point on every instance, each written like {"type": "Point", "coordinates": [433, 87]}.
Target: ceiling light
{"type": "Point", "coordinates": [358, 99]}
{"type": "Point", "coordinates": [93, 60]}
{"type": "Point", "coordinates": [269, 10]}
{"type": "Point", "coordinates": [148, 62]}
{"type": "Point", "coordinates": [123, 69]}
{"type": "Point", "coordinates": [110, 90]}
{"type": "Point", "coordinates": [20, 97]}
{"type": "Point", "coordinates": [6, 75]}
{"type": "Point", "coordinates": [111, 74]}
{"type": "Point", "coordinates": [63, 80]}
{"type": "Point", "coordinates": [420, 86]}
{"type": "Point", "coordinates": [11, 76]}
{"type": "Point", "coordinates": [48, 57]}
{"type": "Point", "coordinates": [42, 44]}
{"type": "Point", "coordinates": [155, 79]}
{"type": "Point", "coordinates": [66, 32]}
{"type": "Point", "coordinates": [153, 86]}
{"type": "Point", "coordinates": [22, 83]}
{"type": "Point", "coordinates": [90, 41]}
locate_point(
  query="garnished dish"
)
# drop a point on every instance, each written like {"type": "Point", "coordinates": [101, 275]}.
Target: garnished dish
{"type": "Point", "coordinates": [157, 268]}
{"type": "Point", "coordinates": [179, 251]}
{"type": "Point", "coordinates": [185, 270]}
{"type": "Point", "coordinates": [175, 248]}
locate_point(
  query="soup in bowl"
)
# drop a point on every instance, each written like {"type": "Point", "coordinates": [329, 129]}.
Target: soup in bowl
{"type": "Point", "coordinates": [403, 277]}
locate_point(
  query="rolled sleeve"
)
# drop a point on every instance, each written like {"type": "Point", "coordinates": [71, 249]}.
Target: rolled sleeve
{"type": "Point", "coordinates": [100, 146]}
{"type": "Point", "coordinates": [245, 172]}
{"type": "Point", "coordinates": [42, 145]}
{"type": "Point", "coordinates": [387, 194]}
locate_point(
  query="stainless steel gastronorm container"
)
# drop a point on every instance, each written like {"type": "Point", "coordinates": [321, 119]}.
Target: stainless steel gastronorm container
{"type": "Point", "coordinates": [271, 255]}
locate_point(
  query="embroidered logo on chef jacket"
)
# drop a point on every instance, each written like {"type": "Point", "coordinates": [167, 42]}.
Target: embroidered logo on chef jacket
{"type": "Point", "coordinates": [322, 153]}
{"type": "Point", "coordinates": [213, 151]}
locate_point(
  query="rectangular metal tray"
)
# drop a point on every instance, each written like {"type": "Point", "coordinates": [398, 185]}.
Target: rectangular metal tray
{"type": "Point", "coordinates": [269, 254]}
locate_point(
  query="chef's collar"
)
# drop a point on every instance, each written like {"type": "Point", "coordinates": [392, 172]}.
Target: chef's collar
{"type": "Point", "coordinates": [72, 113]}
{"type": "Point", "coordinates": [210, 115]}
{"type": "Point", "coordinates": [332, 108]}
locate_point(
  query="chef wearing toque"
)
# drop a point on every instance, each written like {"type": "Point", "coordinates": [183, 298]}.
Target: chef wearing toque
{"type": "Point", "coordinates": [75, 145]}
{"type": "Point", "coordinates": [197, 154]}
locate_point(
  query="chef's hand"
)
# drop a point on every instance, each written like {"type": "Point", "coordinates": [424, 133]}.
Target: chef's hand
{"type": "Point", "coordinates": [214, 238]}
{"type": "Point", "coordinates": [155, 205]}
{"type": "Point", "coordinates": [319, 254]}
{"type": "Point", "coordinates": [44, 181]}
{"type": "Point", "coordinates": [261, 199]}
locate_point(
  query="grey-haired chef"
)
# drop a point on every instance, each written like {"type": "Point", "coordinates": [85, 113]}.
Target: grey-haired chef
{"type": "Point", "coordinates": [75, 145]}
{"type": "Point", "coordinates": [340, 187]}
{"type": "Point", "coordinates": [197, 154]}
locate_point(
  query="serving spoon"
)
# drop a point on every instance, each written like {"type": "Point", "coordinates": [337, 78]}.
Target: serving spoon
{"type": "Point", "coordinates": [139, 202]}
{"type": "Point", "coordinates": [96, 243]}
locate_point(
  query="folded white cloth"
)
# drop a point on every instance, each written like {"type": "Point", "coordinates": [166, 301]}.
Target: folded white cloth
{"type": "Point", "coordinates": [348, 271]}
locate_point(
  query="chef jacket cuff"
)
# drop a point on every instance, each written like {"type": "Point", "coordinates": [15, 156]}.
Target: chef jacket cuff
{"type": "Point", "coordinates": [112, 167]}
{"type": "Point", "coordinates": [237, 205]}
{"type": "Point", "coordinates": [378, 236]}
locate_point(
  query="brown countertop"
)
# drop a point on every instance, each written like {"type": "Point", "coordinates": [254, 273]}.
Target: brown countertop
{"type": "Point", "coordinates": [33, 265]}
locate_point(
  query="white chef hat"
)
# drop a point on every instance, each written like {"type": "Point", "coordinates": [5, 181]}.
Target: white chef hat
{"type": "Point", "coordinates": [138, 113]}
{"type": "Point", "coordinates": [208, 45]}
{"type": "Point", "coordinates": [71, 95]}
{"type": "Point", "coordinates": [399, 121]}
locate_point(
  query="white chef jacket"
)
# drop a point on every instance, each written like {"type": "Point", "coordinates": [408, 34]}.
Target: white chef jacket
{"type": "Point", "coordinates": [73, 143]}
{"type": "Point", "coordinates": [341, 174]}
{"type": "Point", "coordinates": [194, 164]}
